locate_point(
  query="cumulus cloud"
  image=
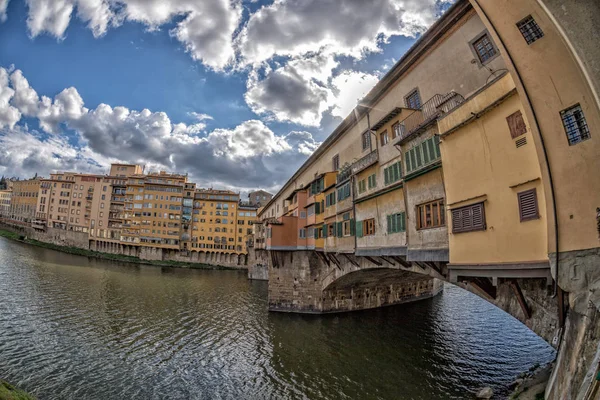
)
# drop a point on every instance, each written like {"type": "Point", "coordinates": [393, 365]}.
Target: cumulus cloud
{"type": "Point", "coordinates": [3, 6]}
{"type": "Point", "coordinates": [246, 156]}
{"type": "Point", "coordinates": [206, 31]}
{"type": "Point", "coordinates": [350, 87]}
{"type": "Point", "coordinates": [349, 27]}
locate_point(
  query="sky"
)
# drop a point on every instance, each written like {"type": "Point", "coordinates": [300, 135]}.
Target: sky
{"type": "Point", "coordinates": [236, 93]}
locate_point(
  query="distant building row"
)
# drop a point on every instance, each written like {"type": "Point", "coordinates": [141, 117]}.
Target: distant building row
{"type": "Point", "coordinates": [157, 210]}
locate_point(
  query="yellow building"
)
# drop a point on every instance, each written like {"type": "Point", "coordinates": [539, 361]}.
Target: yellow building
{"type": "Point", "coordinates": [214, 221]}
{"type": "Point", "coordinates": [245, 220]}
{"type": "Point", "coordinates": [23, 201]}
{"type": "Point", "coordinates": [5, 196]}
{"type": "Point", "coordinates": [497, 209]}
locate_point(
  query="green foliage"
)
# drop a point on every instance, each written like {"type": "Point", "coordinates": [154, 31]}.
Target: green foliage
{"type": "Point", "coordinates": [9, 392]}
{"type": "Point", "coordinates": [539, 396]}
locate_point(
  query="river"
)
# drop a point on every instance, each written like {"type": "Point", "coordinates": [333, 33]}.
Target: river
{"type": "Point", "coordinates": [79, 328]}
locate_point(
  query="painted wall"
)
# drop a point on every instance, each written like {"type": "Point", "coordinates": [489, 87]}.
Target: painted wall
{"type": "Point", "coordinates": [482, 164]}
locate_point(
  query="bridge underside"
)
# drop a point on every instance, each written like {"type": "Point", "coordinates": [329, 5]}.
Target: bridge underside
{"type": "Point", "coordinates": [311, 282]}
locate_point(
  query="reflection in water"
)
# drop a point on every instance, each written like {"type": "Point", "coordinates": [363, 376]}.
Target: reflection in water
{"type": "Point", "coordinates": [78, 328]}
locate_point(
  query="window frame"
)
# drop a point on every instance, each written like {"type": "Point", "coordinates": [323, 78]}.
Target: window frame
{"type": "Point", "coordinates": [384, 138]}
{"type": "Point", "coordinates": [366, 140]}
{"type": "Point", "coordinates": [441, 209]}
{"type": "Point", "coordinates": [474, 42]}
{"type": "Point", "coordinates": [410, 94]}
{"type": "Point", "coordinates": [335, 161]}
{"type": "Point", "coordinates": [530, 29]}
{"type": "Point", "coordinates": [369, 228]}
{"type": "Point", "coordinates": [584, 127]}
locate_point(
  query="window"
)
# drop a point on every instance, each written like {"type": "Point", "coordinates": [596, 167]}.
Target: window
{"type": "Point", "coordinates": [336, 162]}
{"type": "Point", "coordinates": [302, 233]}
{"type": "Point", "coordinates": [365, 228]}
{"type": "Point", "coordinates": [396, 223]}
{"type": "Point", "coordinates": [366, 140]}
{"type": "Point", "coordinates": [431, 215]}
{"type": "Point", "coordinates": [347, 227]}
{"type": "Point", "coordinates": [331, 230]}
{"type": "Point", "coordinates": [311, 232]}
{"type": "Point", "coordinates": [397, 130]}
{"type": "Point", "coordinates": [516, 124]}
{"type": "Point", "coordinates": [575, 124]}
{"type": "Point", "coordinates": [528, 205]}
{"type": "Point", "coordinates": [302, 214]}
{"type": "Point", "coordinates": [422, 154]}
{"type": "Point", "coordinates": [311, 210]}
{"type": "Point", "coordinates": [413, 100]}
{"type": "Point", "coordinates": [484, 48]}
{"type": "Point", "coordinates": [393, 173]}
{"type": "Point", "coordinates": [468, 218]}
{"type": "Point", "coordinates": [372, 179]}
{"type": "Point", "coordinates": [530, 30]}
{"type": "Point", "coordinates": [343, 192]}
{"type": "Point", "coordinates": [384, 138]}
{"type": "Point", "coordinates": [330, 199]}
{"type": "Point", "coordinates": [362, 186]}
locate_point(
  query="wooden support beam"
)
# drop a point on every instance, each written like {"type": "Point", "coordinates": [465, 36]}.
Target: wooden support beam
{"type": "Point", "coordinates": [274, 260]}
{"type": "Point", "coordinates": [374, 261]}
{"type": "Point", "coordinates": [402, 261]}
{"type": "Point", "coordinates": [484, 286]}
{"type": "Point", "coordinates": [353, 262]}
{"type": "Point", "coordinates": [434, 267]}
{"type": "Point", "coordinates": [386, 260]}
{"type": "Point", "coordinates": [323, 257]}
{"type": "Point", "coordinates": [335, 260]}
{"type": "Point", "coordinates": [517, 291]}
{"type": "Point", "coordinates": [420, 265]}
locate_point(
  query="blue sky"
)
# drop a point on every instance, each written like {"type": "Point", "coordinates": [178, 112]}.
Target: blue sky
{"type": "Point", "coordinates": [238, 93]}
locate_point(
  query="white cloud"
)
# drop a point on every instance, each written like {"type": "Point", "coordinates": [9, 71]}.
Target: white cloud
{"type": "Point", "coordinates": [206, 31]}
{"type": "Point", "coordinates": [348, 27]}
{"type": "Point", "coordinates": [199, 116]}
{"type": "Point", "coordinates": [351, 86]}
{"type": "Point", "coordinates": [3, 7]}
{"type": "Point", "coordinates": [246, 156]}
{"type": "Point", "coordinates": [9, 115]}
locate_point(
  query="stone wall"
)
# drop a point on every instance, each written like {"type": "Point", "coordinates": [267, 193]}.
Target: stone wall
{"type": "Point", "coordinates": [306, 282]}
{"type": "Point", "coordinates": [258, 265]}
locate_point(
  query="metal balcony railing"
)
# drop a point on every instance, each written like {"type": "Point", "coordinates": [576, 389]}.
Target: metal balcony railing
{"type": "Point", "coordinates": [432, 109]}
{"type": "Point", "coordinates": [358, 166]}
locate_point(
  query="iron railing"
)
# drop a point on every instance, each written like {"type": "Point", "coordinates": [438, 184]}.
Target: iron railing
{"type": "Point", "coordinates": [358, 166]}
{"type": "Point", "coordinates": [432, 109]}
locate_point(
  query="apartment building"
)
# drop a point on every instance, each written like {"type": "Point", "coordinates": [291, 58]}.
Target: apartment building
{"type": "Point", "coordinates": [214, 220]}
{"type": "Point", "coordinates": [23, 200]}
{"type": "Point", "coordinates": [153, 209]}
{"type": "Point", "coordinates": [259, 197]}
{"type": "Point", "coordinates": [5, 196]}
{"type": "Point", "coordinates": [245, 219]}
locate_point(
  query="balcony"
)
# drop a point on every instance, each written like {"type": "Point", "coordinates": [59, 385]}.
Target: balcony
{"type": "Point", "coordinates": [358, 166]}
{"type": "Point", "coordinates": [432, 109]}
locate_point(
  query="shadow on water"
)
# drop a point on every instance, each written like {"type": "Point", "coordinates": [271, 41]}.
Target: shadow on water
{"type": "Point", "coordinates": [79, 328]}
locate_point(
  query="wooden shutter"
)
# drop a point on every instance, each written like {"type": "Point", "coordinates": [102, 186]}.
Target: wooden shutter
{"type": "Point", "coordinates": [317, 208]}
{"type": "Point", "coordinates": [403, 222]}
{"type": "Point", "coordinates": [352, 227]}
{"type": "Point", "coordinates": [436, 142]}
{"type": "Point", "coordinates": [324, 230]}
{"type": "Point", "coordinates": [528, 205]}
{"type": "Point", "coordinates": [516, 124]}
{"type": "Point", "coordinates": [389, 223]}
{"type": "Point", "coordinates": [340, 231]}
{"type": "Point", "coordinates": [413, 161]}
{"type": "Point", "coordinates": [407, 161]}
{"type": "Point", "coordinates": [359, 228]}
{"type": "Point", "coordinates": [425, 151]}
{"type": "Point", "coordinates": [469, 218]}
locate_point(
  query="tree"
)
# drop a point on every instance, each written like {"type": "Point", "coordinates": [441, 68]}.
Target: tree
{"type": "Point", "coordinates": [3, 184]}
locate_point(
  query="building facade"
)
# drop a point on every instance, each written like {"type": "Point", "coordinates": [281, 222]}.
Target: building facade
{"type": "Point", "coordinates": [259, 197]}
{"type": "Point", "coordinates": [23, 201]}
{"type": "Point", "coordinates": [5, 196]}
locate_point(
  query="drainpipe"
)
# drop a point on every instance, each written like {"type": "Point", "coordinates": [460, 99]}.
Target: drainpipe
{"type": "Point", "coordinates": [556, 290]}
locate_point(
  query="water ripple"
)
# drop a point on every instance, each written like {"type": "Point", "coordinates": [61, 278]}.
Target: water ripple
{"type": "Point", "coordinates": [75, 328]}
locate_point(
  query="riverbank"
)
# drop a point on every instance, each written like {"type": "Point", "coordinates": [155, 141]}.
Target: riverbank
{"type": "Point", "coordinates": [9, 392]}
{"type": "Point", "coordinates": [108, 256]}
{"type": "Point", "coordinates": [532, 385]}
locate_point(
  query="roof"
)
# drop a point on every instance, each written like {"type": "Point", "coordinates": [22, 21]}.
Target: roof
{"type": "Point", "coordinates": [418, 49]}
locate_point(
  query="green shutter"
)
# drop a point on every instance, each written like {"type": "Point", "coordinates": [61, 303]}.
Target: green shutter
{"type": "Point", "coordinates": [413, 161]}
{"type": "Point", "coordinates": [359, 229]}
{"type": "Point", "coordinates": [417, 150]}
{"type": "Point", "coordinates": [347, 190]}
{"type": "Point", "coordinates": [352, 227]}
{"type": "Point", "coordinates": [386, 176]}
{"type": "Point", "coordinates": [317, 208]}
{"type": "Point", "coordinates": [403, 222]}
{"type": "Point", "coordinates": [327, 201]}
{"type": "Point", "coordinates": [407, 159]}
{"type": "Point", "coordinates": [425, 151]}
{"type": "Point", "coordinates": [436, 141]}
{"type": "Point", "coordinates": [324, 230]}
{"type": "Point", "coordinates": [389, 224]}
{"type": "Point", "coordinates": [315, 233]}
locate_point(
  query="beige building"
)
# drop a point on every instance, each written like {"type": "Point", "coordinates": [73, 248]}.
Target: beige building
{"type": "Point", "coordinates": [5, 196]}
{"type": "Point", "coordinates": [23, 201]}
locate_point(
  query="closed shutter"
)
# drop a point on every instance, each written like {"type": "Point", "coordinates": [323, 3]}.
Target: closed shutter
{"type": "Point", "coordinates": [347, 191]}
{"type": "Point", "coordinates": [316, 233]}
{"type": "Point", "coordinates": [407, 160]}
{"type": "Point", "coordinates": [324, 230]}
{"type": "Point", "coordinates": [386, 177]}
{"type": "Point", "coordinates": [403, 222]}
{"type": "Point", "coordinates": [352, 227]}
{"type": "Point", "coordinates": [413, 160]}
{"type": "Point", "coordinates": [396, 169]}
{"type": "Point", "coordinates": [389, 223]}
{"type": "Point", "coordinates": [425, 151]}
{"type": "Point", "coordinates": [317, 208]}
{"type": "Point", "coordinates": [359, 228]}
{"type": "Point", "coordinates": [436, 141]}
{"type": "Point", "coordinates": [417, 151]}
{"type": "Point", "coordinates": [327, 201]}
{"type": "Point", "coordinates": [339, 229]}
{"type": "Point", "coordinates": [469, 218]}
{"type": "Point", "coordinates": [528, 205]}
